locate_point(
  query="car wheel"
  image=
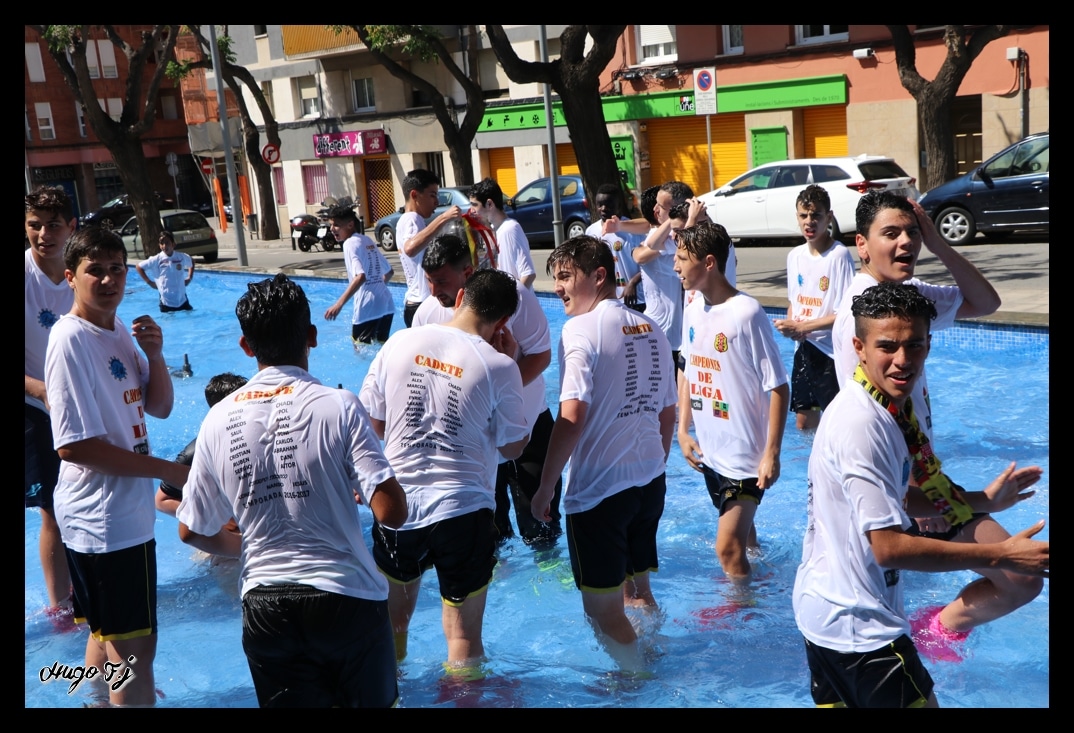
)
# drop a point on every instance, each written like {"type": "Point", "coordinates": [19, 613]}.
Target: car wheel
{"type": "Point", "coordinates": [210, 257]}
{"type": "Point", "coordinates": [956, 226]}
{"type": "Point", "coordinates": [575, 229]}
{"type": "Point", "coordinates": [386, 237]}
{"type": "Point", "coordinates": [106, 223]}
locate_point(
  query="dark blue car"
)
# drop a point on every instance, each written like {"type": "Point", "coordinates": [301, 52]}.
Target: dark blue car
{"type": "Point", "coordinates": [1007, 192]}
{"type": "Point", "coordinates": [532, 207]}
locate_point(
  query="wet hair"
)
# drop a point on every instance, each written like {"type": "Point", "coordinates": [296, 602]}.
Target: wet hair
{"type": "Point", "coordinates": [678, 191]}
{"type": "Point", "coordinates": [342, 213]}
{"type": "Point", "coordinates": [872, 203]}
{"type": "Point", "coordinates": [584, 253]}
{"type": "Point", "coordinates": [680, 212]}
{"type": "Point", "coordinates": [419, 179]}
{"type": "Point", "coordinates": [165, 234]}
{"type": "Point", "coordinates": [706, 238]}
{"type": "Point", "coordinates": [221, 386]}
{"type": "Point", "coordinates": [446, 250]}
{"type": "Point", "coordinates": [91, 242]}
{"type": "Point", "coordinates": [52, 199]}
{"type": "Point", "coordinates": [647, 203]}
{"type": "Point", "coordinates": [814, 197]}
{"type": "Point", "coordinates": [890, 300]}
{"type": "Point", "coordinates": [491, 295]}
{"type": "Point", "coordinates": [275, 318]}
{"type": "Point", "coordinates": [487, 190]}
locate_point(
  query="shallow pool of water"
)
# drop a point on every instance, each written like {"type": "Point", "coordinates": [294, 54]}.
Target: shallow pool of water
{"type": "Point", "coordinates": [990, 391]}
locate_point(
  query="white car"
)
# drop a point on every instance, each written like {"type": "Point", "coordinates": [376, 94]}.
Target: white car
{"type": "Point", "coordinates": [760, 204]}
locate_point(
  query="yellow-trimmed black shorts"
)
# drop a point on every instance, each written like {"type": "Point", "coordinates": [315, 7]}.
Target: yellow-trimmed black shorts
{"type": "Point", "coordinates": [722, 489]}
{"type": "Point", "coordinates": [462, 549]}
{"type": "Point", "coordinates": [116, 592]}
{"type": "Point", "coordinates": [889, 677]}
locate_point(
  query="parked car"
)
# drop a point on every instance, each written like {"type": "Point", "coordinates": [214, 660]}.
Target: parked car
{"type": "Point", "coordinates": [532, 207]}
{"type": "Point", "coordinates": [190, 229]}
{"type": "Point", "coordinates": [385, 225]}
{"type": "Point", "coordinates": [760, 204]}
{"type": "Point", "coordinates": [1009, 191]}
{"type": "Point", "coordinates": [119, 210]}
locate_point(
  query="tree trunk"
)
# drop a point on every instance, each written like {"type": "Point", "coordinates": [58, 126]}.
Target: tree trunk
{"type": "Point", "coordinates": [589, 136]}
{"type": "Point", "coordinates": [938, 138]}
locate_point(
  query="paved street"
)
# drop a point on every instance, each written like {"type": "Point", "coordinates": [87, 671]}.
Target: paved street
{"type": "Point", "coordinates": [1018, 268]}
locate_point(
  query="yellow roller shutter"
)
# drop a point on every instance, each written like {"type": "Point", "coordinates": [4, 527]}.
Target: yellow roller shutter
{"type": "Point", "coordinates": [566, 160]}
{"type": "Point", "coordinates": [825, 131]}
{"type": "Point", "coordinates": [502, 169]}
{"type": "Point", "coordinates": [678, 150]}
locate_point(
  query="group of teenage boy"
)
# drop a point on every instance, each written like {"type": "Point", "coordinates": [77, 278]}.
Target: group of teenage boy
{"type": "Point", "coordinates": [461, 390]}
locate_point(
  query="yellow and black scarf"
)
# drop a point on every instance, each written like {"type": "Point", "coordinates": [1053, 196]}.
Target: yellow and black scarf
{"type": "Point", "coordinates": [925, 465]}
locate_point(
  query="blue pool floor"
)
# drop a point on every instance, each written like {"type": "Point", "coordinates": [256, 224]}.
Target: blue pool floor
{"type": "Point", "coordinates": [990, 395]}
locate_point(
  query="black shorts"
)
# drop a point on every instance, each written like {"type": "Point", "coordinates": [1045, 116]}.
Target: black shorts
{"type": "Point", "coordinates": [813, 380]}
{"type": "Point", "coordinates": [890, 677]}
{"type": "Point", "coordinates": [378, 329]}
{"type": "Point", "coordinates": [722, 489]}
{"type": "Point", "coordinates": [639, 307]}
{"type": "Point", "coordinates": [616, 539]}
{"type": "Point", "coordinates": [310, 648]}
{"type": "Point", "coordinates": [172, 308]}
{"type": "Point", "coordinates": [409, 309]}
{"type": "Point", "coordinates": [518, 480]}
{"type": "Point", "coordinates": [116, 592]}
{"type": "Point", "coordinates": [951, 533]}
{"type": "Point", "coordinates": [462, 549]}
{"type": "Point", "coordinates": [42, 461]}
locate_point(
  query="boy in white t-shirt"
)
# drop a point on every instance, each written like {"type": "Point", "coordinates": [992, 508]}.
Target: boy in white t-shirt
{"type": "Point", "coordinates": [99, 390]}
{"type": "Point", "coordinates": [818, 274]}
{"type": "Point", "coordinates": [421, 188]}
{"type": "Point", "coordinates": [369, 273]}
{"type": "Point", "coordinates": [168, 273]}
{"type": "Point", "coordinates": [733, 387]}
{"type": "Point", "coordinates": [848, 591]}
{"type": "Point", "coordinates": [615, 423]}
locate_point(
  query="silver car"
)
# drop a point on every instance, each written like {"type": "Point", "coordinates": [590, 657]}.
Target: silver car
{"type": "Point", "coordinates": [191, 231]}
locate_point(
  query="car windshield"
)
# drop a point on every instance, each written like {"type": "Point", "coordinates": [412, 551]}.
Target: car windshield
{"type": "Point", "coordinates": [181, 222]}
{"type": "Point", "coordinates": [117, 201]}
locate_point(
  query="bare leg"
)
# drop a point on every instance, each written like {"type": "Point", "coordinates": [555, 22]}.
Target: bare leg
{"type": "Point", "coordinates": [133, 656]}
{"type": "Point", "coordinates": [402, 600]}
{"type": "Point", "coordinates": [462, 628]}
{"type": "Point", "coordinates": [54, 560]}
{"type": "Point", "coordinates": [614, 630]}
{"type": "Point", "coordinates": [733, 534]}
{"type": "Point", "coordinates": [808, 420]}
{"type": "Point", "coordinates": [996, 593]}
{"type": "Point", "coordinates": [638, 592]}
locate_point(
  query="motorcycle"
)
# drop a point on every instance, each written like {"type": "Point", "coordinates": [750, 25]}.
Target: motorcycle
{"type": "Point", "coordinates": [309, 232]}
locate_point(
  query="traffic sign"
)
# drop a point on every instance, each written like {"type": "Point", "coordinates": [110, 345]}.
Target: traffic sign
{"type": "Point", "coordinates": [705, 91]}
{"type": "Point", "coordinates": [207, 166]}
{"type": "Point", "coordinates": [270, 154]}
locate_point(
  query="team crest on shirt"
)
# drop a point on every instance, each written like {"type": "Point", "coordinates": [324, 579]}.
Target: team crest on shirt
{"type": "Point", "coordinates": [617, 245]}
{"type": "Point", "coordinates": [801, 280]}
{"type": "Point", "coordinates": [691, 334]}
{"type": "Point", "coordinates": [720, 343]}
{"type": "Point", "coordinates": [118, 370]}
{"type": "Point", "coordinates": [824, 282]}
{"type": "Point", "coordinates": [46, 318]}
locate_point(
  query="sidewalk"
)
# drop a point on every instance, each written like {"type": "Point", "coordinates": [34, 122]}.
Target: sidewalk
{"type": "Point", "coordinates": [1018, 269]}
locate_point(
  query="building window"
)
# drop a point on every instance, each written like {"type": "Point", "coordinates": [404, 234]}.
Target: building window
{"type": "Point", "coordinates": [113, 107]}
{"type": "Point", "coordinates": [91, 60]}
{"type": "Point", "coordinates": [260, 30]}
{"type": "Point", "coordinates": [168, 108]}
{"type": "Point", "coordinates": [308, 97]}
{"type": "Point", "coordinates": [732, 39]}
{"type": "Point", "coordinates": [419, 98]}
{"type": "Point", "coordinates": [821, 33]}
{"type": "Point", "coordinates": [266, 92]}
{"type": "Point", "coordinates": [315, 183]}
{"type": "Point", "coordinates": [364, 99]}
{"type": "Point", "coordinates": [34, 67]}
{"type": "Point", "coordinates": [45, 127]}
{"type": "Point", "coordinates": [278, 187]}
{"type": "Point", "coordinates": [657, 44]}
{"type": "Point", "coordinates": [81, 117]}
{"type": "Point", "coordinates": [107, 53]}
